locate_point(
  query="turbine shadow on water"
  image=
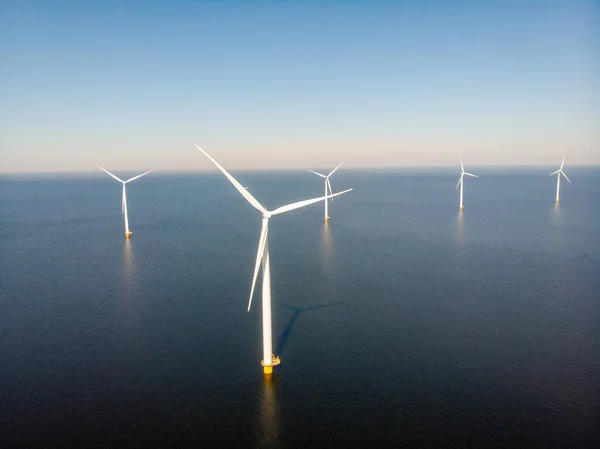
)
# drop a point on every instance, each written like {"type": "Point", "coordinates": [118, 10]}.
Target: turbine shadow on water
{"type": "Point", "coordinates": [285, 335]}
{"type": "Point", "coordinates": [585, 257]}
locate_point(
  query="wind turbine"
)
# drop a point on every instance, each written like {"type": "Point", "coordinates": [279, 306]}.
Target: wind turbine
{"type": "Point", "coordinates": [461, 182]}
{"type": "Point", "coordinates": [269, 359]}
{"type": "Point", "coordinates": [327, 185]}
{"type": "Point", "coordinates": [558, 172]}
{"type": "Point", "coordinates": [124, 201]}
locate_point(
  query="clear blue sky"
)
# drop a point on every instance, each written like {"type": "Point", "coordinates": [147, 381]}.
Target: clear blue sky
{"type": "Point", "coordinates": [134, 85]}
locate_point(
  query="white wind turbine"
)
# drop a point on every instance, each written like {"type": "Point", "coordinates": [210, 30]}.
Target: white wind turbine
{"type": "Point", "coordinates": [269, 359]}
{"type": "Point", "coordinates": [124, 201]}
{"type": "Point", "coordinates": [461, 182]}
{"type": "Point", "coordinates": [559, 172]}
{"type": "Point", "coordinates": [327, 185]}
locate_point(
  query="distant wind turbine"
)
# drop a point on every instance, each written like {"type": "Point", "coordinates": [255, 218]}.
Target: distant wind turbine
{"type": "Point", "coordinates": [559, 172]}
{"type": "Point", "coordinates": [461, 182]}
{"type": "Point", "coordinates": [327, 186]}
{"type": "Point", "coordinates": [262, 257]}
{"type": "Point", "coordinates": [124, 201]}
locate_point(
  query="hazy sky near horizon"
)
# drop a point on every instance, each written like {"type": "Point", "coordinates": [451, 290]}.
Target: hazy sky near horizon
{"type": "Point", "coordinates": [134, 85]}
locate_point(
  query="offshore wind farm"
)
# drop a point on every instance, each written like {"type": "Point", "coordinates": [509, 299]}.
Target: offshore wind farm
{"type": "Point", "coordinates": [378, 322]}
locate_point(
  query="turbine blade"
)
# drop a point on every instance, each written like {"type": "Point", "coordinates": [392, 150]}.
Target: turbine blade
{"type": "Point", "coordinates": [563, 173]}
{"type": "Point", "coordinates": [138, 176]}
{"type": "Point", "coordinates": [563, 162]}
{"type": "Point", "coordinates": [329, 185]}
{"type": "Point", "coordinates": [459, 181]}
{"type": "Point", "coordinates": [554, 172]}
{"type": "Point", "coordinates": [461, 165]}
{"type": "Point", "coordinates": [236, 184]}
{"type": "Point", "coordinates": [469, 174]}
{"type": "Point", "coordinates": [106, 171]}
{"type": "Point", "coordinates": [299, 204]}
{"type": "Point", "coordinates": [333, 171]}
{"type": "Point", "coordinates": [319, 174]}
{"type": "Point", "coordinates": [261, 249]}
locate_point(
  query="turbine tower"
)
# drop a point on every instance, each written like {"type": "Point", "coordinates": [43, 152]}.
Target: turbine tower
{"type": "Point", "coordinates": [327, 186]}
{"type": "Point", "coordinates": [262, 258]}
{"type": "Point", "coordinates": [461, 182]}
{"type": "Point", "coordinates": [124, 200]}
{"type": "Point", "coordinates": [559, 172]}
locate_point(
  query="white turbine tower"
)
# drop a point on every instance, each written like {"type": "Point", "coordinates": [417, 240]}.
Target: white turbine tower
{"type": "Point", "coordinates": [559, 172]}
{"type": "Point", "coordinates": [262, 257]}
{"type": "Point", "coordinates": [461, 182]}
{"type": "Point", "coordinates": [327, 186]}
{"type": "Point", "coordinates": [124, 200]}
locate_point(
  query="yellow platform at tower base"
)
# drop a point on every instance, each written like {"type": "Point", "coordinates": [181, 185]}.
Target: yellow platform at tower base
{"type": "Point", "coordinates": [268, 369]}
{"type": "Point", "coordinates": [461, 208]}
{"type": "Point", "coordinates": [128, 235]}
{"type": "Point", "coordinates": [326, 218]}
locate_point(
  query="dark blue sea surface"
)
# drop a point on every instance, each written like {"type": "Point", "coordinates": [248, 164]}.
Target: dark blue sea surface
{"type": "Point", "coordinates": [401, 323]}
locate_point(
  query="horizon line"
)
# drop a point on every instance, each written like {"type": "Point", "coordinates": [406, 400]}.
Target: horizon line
{"type": "Point", "coordinates": [347, 168]}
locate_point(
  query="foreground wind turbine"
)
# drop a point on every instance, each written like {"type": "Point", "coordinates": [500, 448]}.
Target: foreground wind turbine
{"type": "Point", "coordinates": [269, 359]}
{"type": "Point", "coordinates": [559, 172]}
{"type": "Point", "coordinates": [460, 182]}
{"type": "Point", "coordinates": [124, 201]}
{"type": "Point", "coordinates": [327, 185]}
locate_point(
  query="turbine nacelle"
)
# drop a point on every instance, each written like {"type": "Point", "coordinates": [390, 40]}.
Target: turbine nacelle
{"type": "Point", "coordinates": [463, 173]}
{"type": "Point", "coordinates": [266, 214]}
{"type": "Point", "coordinates": [119, 179]}
{"type": "Point", "coordinates": [560, 171]}
{"type": "Point", "coordinates": [325, 176]}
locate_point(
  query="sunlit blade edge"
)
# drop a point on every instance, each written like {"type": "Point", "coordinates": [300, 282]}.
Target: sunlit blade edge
{"type": "Point", "coordinates": [261, 249]}
{"type": "Point", "coordinates": [299, 204]}
{"type": "Point", "coordinates": [458, 183]}
{"type": "Point", "coordinates": [319, 174]}
{"type": "Point", "coordinates": [333, 171]}
{"type": "Point", "coordinates": [138, 176]}
{"type": "Point", "coordinates": [236, 184]}
{"type": "Point", "coordinates": [106, 171]}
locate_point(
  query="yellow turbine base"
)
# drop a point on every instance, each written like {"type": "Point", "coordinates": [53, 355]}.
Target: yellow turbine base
{"type": "Point", "coordinates": [557, 201]}
{"type": "Point", "coordinates": [268, 369]}
{"type": "Point", "coordinates": [128, 235]}
{"type": "Point", "coordinates": [461, 208]}
{"type": "Point", "coordinates": [326, 218]}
